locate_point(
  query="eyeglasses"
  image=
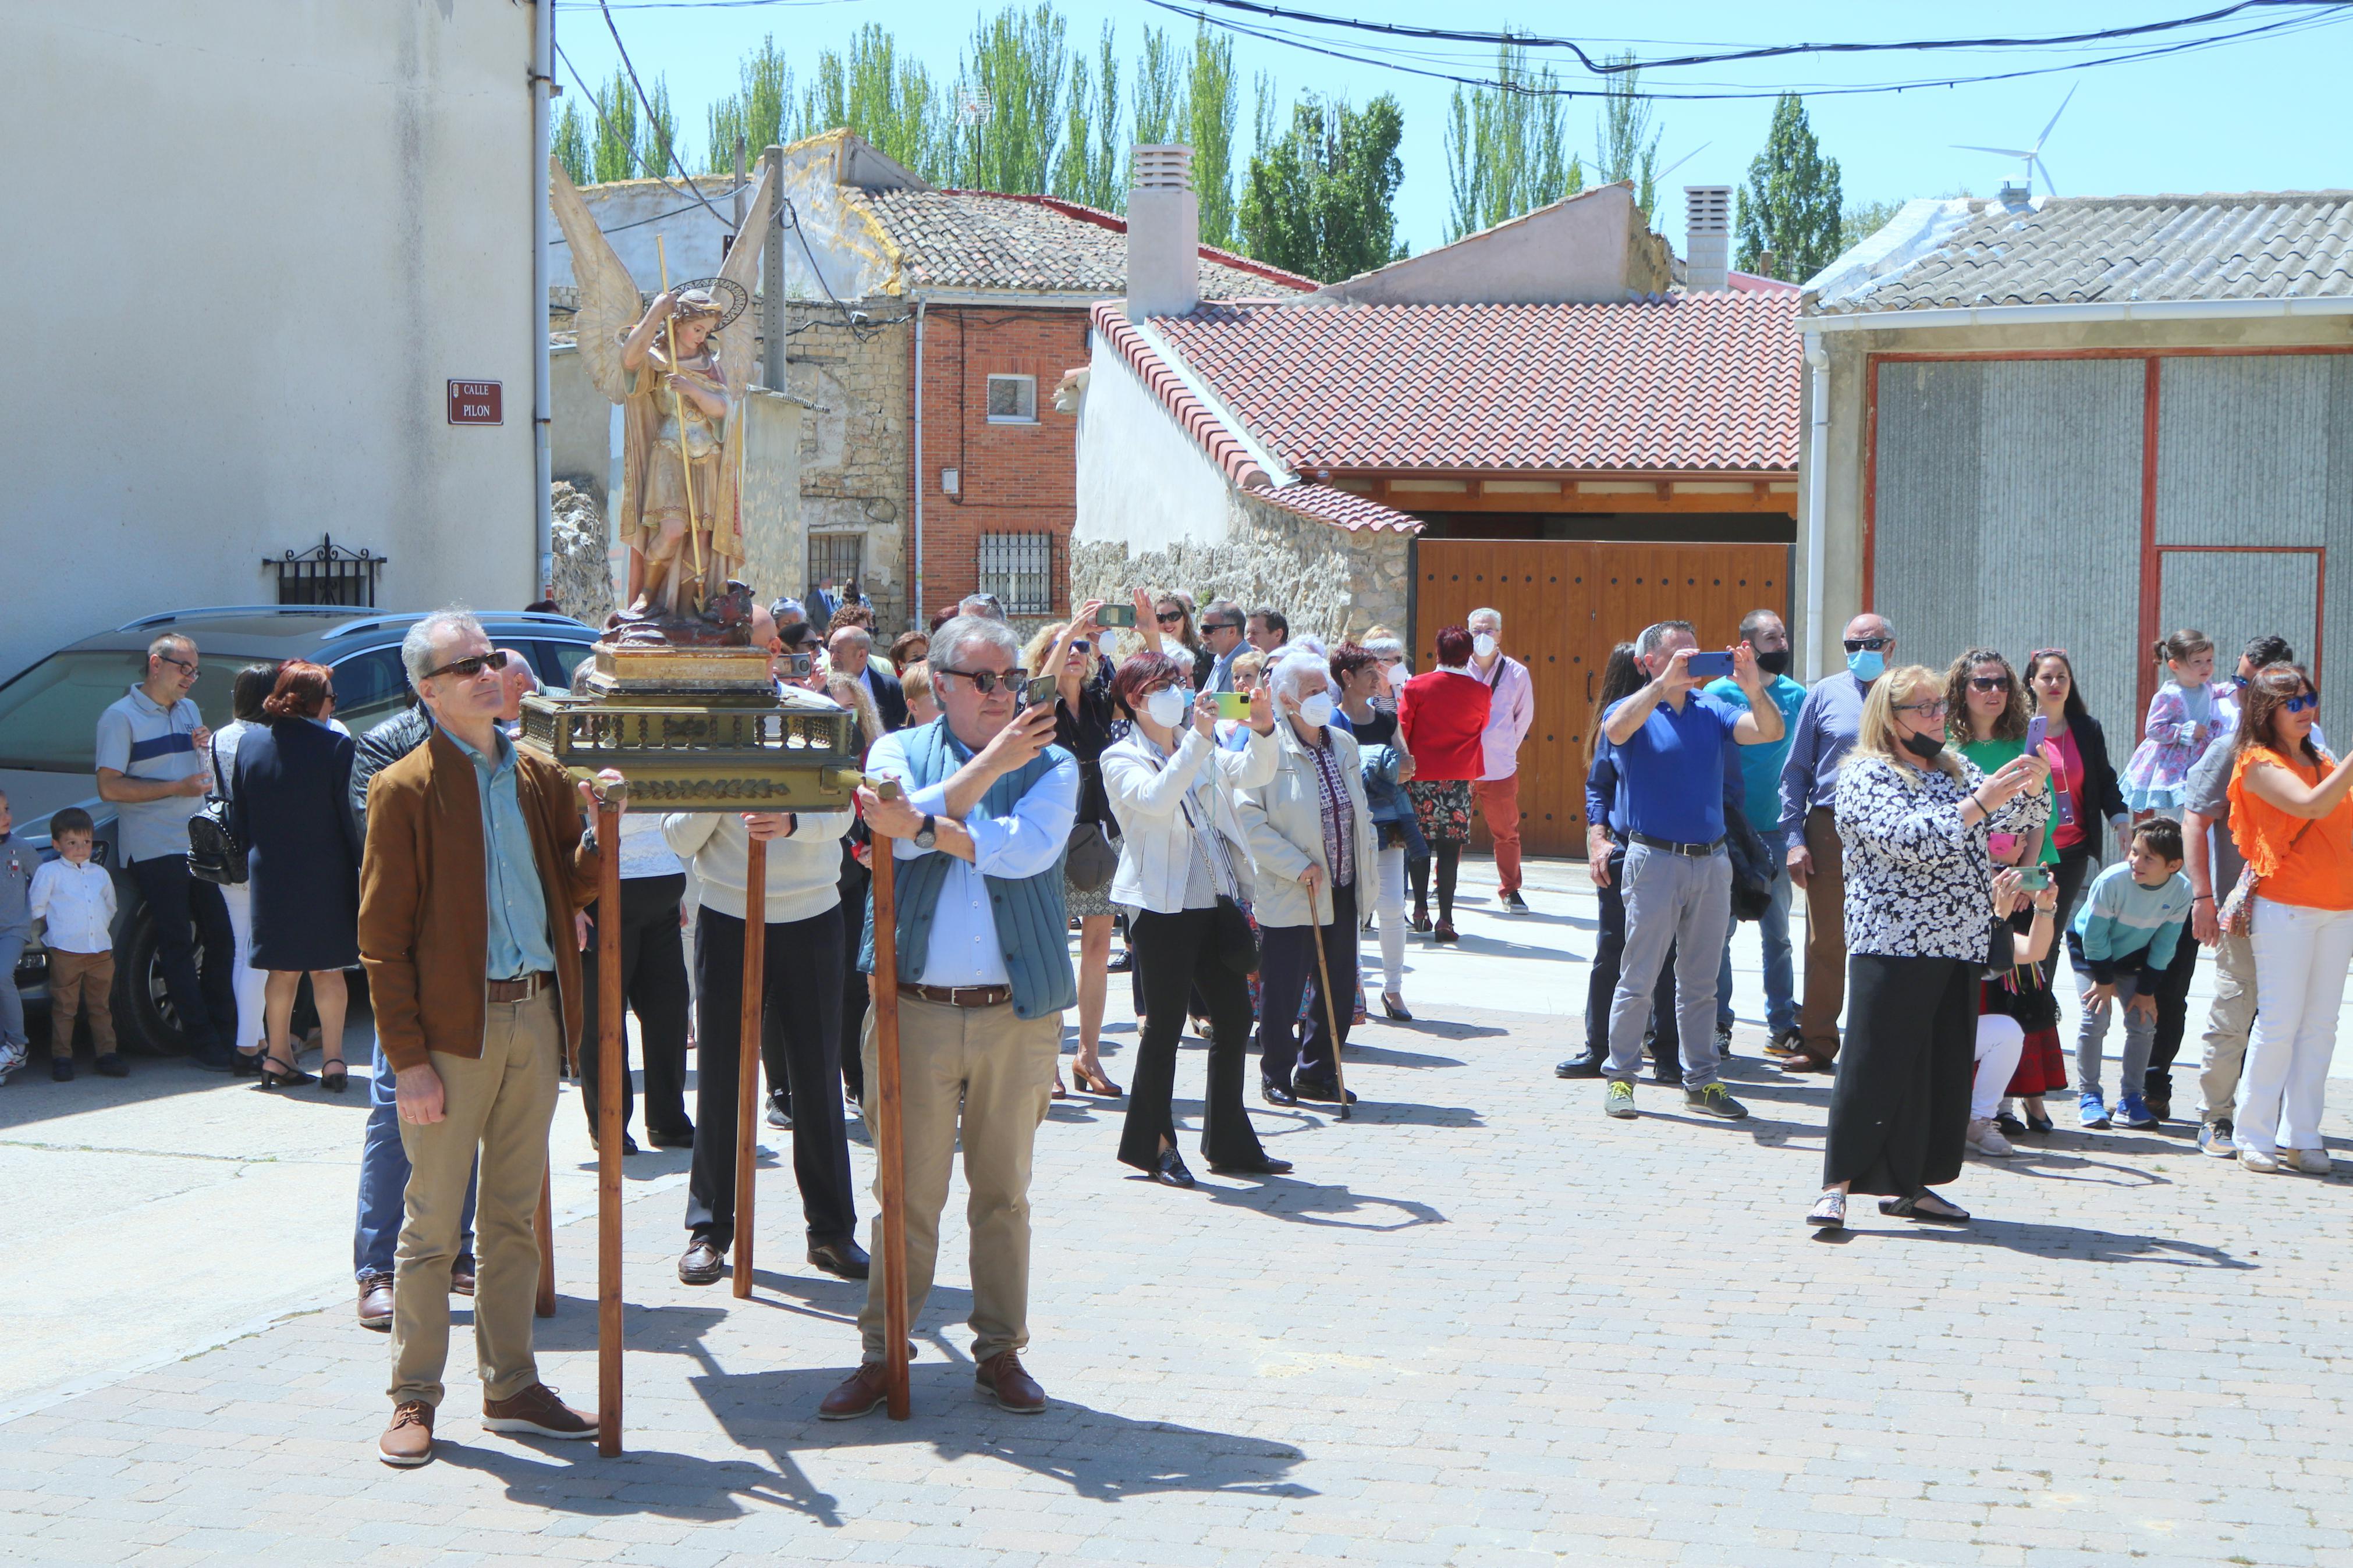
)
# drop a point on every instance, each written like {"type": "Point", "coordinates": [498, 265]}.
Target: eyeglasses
{"type": "Point", "coordinates": [467, 669]}
{"type": "Point", "coordinates": [1936, 710]}
{"type": "Point", "coordinates": [1221, 626]}
{"type": "Point", "coordinates": [2304, 704]}
{"type": "Point", "coordinates": [1866, 645]}
{"type": "Point", "coordinates": [184, 664]}
{"type": "Point", "coordinates": [1988, 683]}
{"type": "Point", "coordinates": [986, 681]}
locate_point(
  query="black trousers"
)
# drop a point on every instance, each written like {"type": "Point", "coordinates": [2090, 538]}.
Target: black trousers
{"type": "Point", "coordinates": [1172, 955]}
{"type": "Point", "coordinates": [2075, 866]}
{"type": "Point", "coordinates": [1900, 1106]}
{"type": "Point", "coordinates": [1601, 985]}
{"type": "Point", "coordinates": [190, 914]}
{"type": "Point", "coordinates": [653, 986]}
{"type": "Point", "coordinates": [803, 1002]}
{"type": "Point", "coordinates": [2172, 1018]}
{"type": "Point", "coordinates": [1286, 969]}
{"type": "Point", "coordinates": [854, 995]}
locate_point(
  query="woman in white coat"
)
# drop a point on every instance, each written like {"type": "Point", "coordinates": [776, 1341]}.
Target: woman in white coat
{"type": "Point", "coordinates": [1181, 848]}
{"type": "Point", "coordinates": [1317, 858]}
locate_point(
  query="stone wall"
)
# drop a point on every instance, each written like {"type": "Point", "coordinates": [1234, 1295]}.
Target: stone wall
{"type": "Point", "coordinates": [856, 445]}
{"type": "Point", "coordinates": [1330, 583]}
{"type": "Point", "coordinates": [584, 560]}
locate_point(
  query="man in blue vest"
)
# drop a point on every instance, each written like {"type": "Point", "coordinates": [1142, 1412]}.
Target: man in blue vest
{"type": "Point", "coordinates": [984, 976]}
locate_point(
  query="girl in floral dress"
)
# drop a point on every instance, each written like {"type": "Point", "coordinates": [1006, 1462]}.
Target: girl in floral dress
{"type": "Point", "coordinates": [2184, 718]}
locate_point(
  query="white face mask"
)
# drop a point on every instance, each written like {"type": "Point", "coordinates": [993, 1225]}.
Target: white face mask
{"type": "Point", "coordinates": [1316, 710]}
{"type": "Point", "coordinates": [1398, 677]}
{"type": "Point", "coordinates": [1483, 645]}
{"type": "Point", "coordinates": [1167, 707]}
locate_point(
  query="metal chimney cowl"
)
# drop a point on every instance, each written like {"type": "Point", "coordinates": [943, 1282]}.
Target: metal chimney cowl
{"type": "Point", "coordinates": [1707, 238]}
{"type": "Point", "coordinates": [1164, 233]}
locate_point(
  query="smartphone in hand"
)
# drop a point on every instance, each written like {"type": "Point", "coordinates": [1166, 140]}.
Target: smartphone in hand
{"type": "Point", "coordinates": [1116, 615]}
{"type": "Point", "coordinates": [1233, 704]}
{"type": "Point", "coordinates": [1709, 666]}
{"type": "Point", "coordinates": [2034, 878]}
{"type": "Point", "coordinates": [2037, 728]}
{"type": "Point", "coordinates": [1040, 692]}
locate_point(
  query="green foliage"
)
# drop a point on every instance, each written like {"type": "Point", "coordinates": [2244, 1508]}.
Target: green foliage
{"type": "Point", "coordinates": [1087, 170]}
{"type": "Point", "coordinates": [1212, 104]}
{"type": "Point", "coordinates": [1506, 152]}
{"type": "Point", "coordinates": [1319, 199]}
{"type": "Point", "coordinates": [656, 143]}
{"type": "Point", "coordinates": [570, 143]}
{"type": "Point", "coordinates": [893, 103]}
{"type": "Point", "coordinates": [614, 154]}
{"type": "Point", "coordinates": [1860, 220]}
{"type": "Point", "coordinates": [1790, 207]}
{"type": "Point", "coordinates": [756, 113]}
{"type": "Point", "coordinates": [1160, 102]}
{"type": "Point", "coordinates": [1628, 145]}
{"type": "Point", "coordinates": [1016, 67]}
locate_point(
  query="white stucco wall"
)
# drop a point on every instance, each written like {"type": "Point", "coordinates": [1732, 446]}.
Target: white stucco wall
{"type": "Point", "coordinates": [248, 245]}
{"type": "Point", "coordinates": [1143, 482]}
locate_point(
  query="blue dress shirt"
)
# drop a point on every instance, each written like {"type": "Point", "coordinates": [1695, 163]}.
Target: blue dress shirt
{"type": "Point", "coordinates": [517, 903]}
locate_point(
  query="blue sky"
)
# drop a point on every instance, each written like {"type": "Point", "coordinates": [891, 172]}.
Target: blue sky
{"type": "Point", "coordinates": [2261, 115]}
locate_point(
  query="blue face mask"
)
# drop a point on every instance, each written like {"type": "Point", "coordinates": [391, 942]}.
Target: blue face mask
{"type": "Point", "coordinates": [1868, 665]}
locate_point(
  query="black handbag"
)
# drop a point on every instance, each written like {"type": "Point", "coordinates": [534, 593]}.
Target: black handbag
{"type": "Point", "coordinates": [1090, 862]}
{"type": "Point", "coordinates": [1230, 928]}
{"type": "Point", "coordinates": [214, 853]}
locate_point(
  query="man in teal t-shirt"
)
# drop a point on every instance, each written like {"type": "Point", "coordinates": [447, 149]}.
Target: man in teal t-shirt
{"type": "Point", "coordinates": [1760, 779]}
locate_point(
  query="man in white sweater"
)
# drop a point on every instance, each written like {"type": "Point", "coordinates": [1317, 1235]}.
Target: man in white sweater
{"type": "Point", "coordinates": [802, 1006]}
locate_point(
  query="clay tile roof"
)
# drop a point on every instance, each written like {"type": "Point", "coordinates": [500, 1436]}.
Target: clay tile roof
{"type": "Point", "coordinates": [1342, 509]}
{"type": "Point", "coordinates": [2076, 250]}
{"type": "Point", "coordinates": [1706, 382]}
{"type": "Point", "coordinates": [989, 240]}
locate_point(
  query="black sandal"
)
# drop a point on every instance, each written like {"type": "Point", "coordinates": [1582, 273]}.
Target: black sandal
{"type": "Point", "coordinates": [1909, 1208]}
{"type": "Point", "coordinates": [1829, 1212]}
{"type": "Point", "coordinates": [288, 1076]}
{"type": "Point", "coordinates": [334, 1076]}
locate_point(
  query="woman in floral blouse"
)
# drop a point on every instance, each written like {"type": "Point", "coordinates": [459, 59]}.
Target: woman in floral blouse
{"type": "Point", "coordinates": [1913, 816]}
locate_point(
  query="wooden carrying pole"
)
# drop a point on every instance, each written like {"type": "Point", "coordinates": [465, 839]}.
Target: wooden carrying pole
{"type": "Point", "coordinates": [890, 1147]}
{"type": "Point", "coordinates": [609, 1131]}
{"type": "Point", "coordinates": [678, 410]}
{"type": "Point", "coordinates": [1331, 1017]}
{"type": "Point", "coordinates": [747, 1052]}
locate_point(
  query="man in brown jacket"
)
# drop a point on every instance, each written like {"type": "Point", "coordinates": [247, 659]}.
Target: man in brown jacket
{"type": "Point", "coordinates": [476, 860]}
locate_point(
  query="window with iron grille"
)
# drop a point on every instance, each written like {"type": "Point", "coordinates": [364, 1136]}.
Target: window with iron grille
{"type": "Point", "coordinates": [1013, 400]}
{"type": "Point", "coordinates": [329, 575]}
{"type": "Point", "coordinates": [836, 558]}
{"type": "Point", "coordinates": [1019, 568]}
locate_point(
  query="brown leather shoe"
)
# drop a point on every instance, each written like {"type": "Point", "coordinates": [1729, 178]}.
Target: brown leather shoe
{"type": "Point", "coordinates": [461, 1277]}
{"type": "Point", "coordinates": [702, 1265]}
{"type": "Point", "coordinates": [537, 1410]}
{"type": "Point", "coordinates": [1001, 1378]}
{"type": "Point", "coordinates": [375, 1302]}
{"type": "Point", "coordinates": [408, 1441]}
{"type": "Point", "coordinates": [861, 1394]}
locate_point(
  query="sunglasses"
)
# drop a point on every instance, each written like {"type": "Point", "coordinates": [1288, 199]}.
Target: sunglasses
{"type": "Point", "coordinates": [1866, 645]}
{"type": "Point", "coordinates": [467, 669]}
{"type": "Point", "coordinates": [1936, 710]}
{"type": "Point", "coordinates": [986, 681]}
{"type": "Point", "coordinates": [2304, 704]}
{"type": "Point", "coordinates": [1082, 646]}
{"type": "Point", "coordinates": [1988, 683]}
{"type": "Point", "coordinates": [1170, 618]}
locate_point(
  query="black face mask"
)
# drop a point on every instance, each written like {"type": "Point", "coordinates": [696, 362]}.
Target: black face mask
{"type": "Point", "coordinates": [1776, 662]}
{"type": "Point", "coordinates": [1924, 747]}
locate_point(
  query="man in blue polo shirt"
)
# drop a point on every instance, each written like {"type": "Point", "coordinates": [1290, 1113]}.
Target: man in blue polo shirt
{"type": "Point", "coordinates": [1760, 788]}
{"type": "Point", "coordinates": [1677, 877]}
{"type": "Point", "coordinates": [154, 765]}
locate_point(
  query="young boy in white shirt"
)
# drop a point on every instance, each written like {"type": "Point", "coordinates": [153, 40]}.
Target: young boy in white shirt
{"type": "Point", "coordinates": [76, 899]}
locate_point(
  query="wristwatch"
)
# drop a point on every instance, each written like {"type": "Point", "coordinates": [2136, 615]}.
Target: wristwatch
{"type": "Point", "coordinates": [925, 838]}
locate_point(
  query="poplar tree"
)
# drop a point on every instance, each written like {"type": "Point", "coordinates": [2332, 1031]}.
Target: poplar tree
{"type": "Point", "coordinates": [1790, 207]}
{"type": "Point", "coordinates": [1087, 170]}
{"type": "Point", "coordinates": [755, 111]}
{"type": "Point", "coordinates": [570, 143]}
{"type": "Point", "coordinates": [1014, 69]}
{"type": "Point", "coordinates": [1320, 198]}
{"type": "Point", "coordinates": [1627, 146]}
{"type": "Point", "coordinates": [659, 136]}
{"type": "Point", "coordinates": [1506, 147]}
{"type": "Point", "coordinates": [892, 102]}
{"type": "Point", "coordinates": [614, 154]}
{"type": "Point", "coordinates": [1212, 108]}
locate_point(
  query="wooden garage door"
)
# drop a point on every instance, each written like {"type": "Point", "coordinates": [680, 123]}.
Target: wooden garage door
{"type": "Point", "coordinates": [1564, 605]}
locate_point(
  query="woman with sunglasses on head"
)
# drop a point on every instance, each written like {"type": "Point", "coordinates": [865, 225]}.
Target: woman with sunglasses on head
{"type": "Point", "coordinates": [2291, 815]}
{"type": "Point", "coordinates": [2083, 780]}
{"type": "Point", "coordinates": [1183, 848]}
{"type": "Point", "coordinates": [1914, 819]}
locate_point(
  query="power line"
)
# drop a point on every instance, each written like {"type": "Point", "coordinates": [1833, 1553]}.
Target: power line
{"type": "Point", "coordinates": [613, 131]}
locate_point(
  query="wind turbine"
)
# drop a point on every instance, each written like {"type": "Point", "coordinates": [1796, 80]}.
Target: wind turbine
{"type": "Point", "coordinates": [2030, 156]}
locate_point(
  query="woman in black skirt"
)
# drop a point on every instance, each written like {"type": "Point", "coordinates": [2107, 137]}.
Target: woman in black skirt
{"type": "Point", "coordinates": [1913, 816]}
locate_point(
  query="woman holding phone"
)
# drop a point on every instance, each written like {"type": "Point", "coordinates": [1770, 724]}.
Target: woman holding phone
{"type": "Point", "coordinates": [2083, 780]}
{"type": "Point", "coordinates": [1082, 726]}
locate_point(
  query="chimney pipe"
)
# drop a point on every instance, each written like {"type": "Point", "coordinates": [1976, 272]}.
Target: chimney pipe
{"type": "Point", "coordinates": [1707, 238]}
{"type": "Point", "coordinates": [1164, 233]}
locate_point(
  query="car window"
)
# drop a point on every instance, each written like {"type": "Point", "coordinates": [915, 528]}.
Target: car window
{"type": "Point", "coordinates": [370, 688]}
{"type": "Point", "coordinates": [556, 661]}
{"type": "Point", "coordinates": [48, 715]}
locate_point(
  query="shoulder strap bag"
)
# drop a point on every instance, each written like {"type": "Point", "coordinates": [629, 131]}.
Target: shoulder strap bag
{"type": "Point", "coordinates": [214, 853]}
{"type": "Point", "coordinates": [1235, 937]}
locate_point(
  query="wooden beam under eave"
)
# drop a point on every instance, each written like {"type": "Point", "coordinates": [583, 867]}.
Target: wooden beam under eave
{"type": "Point", "coordinates": [1569, 503]}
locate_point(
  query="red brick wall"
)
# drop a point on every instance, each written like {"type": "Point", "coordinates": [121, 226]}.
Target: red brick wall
{"type": "Point", "coordinates": [1016, 478]}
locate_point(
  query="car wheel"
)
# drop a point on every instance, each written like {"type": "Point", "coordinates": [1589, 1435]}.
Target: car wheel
{"type": "Point", "coordinates": [144, 1019]}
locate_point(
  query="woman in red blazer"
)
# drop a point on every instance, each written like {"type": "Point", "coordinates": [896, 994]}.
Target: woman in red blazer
{"type": "Point", "coordinates": [1442, 717]}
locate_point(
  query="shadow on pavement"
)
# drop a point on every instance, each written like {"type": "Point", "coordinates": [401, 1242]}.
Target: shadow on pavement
{"type": "Point", "coordinates": [2071, 1242]}
{"type": "Point", "coordinates": [1304, 1201]}
{"type": "Point", "coordinates": [1376, 1056]}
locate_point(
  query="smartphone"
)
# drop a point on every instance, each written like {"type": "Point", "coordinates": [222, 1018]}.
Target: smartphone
{"type": "Point", "coordinates": [1040, 692]}
{"type": "Point", "coordinates": [1708, 665]}
{"type": "Point", "coordinates": [2036, 729]}
{"type": "Point", "coordinates": [1116, 615]}
{"type": "Point", "coordinates": [802, 663]}
{"type": "Point", "coordinates": [1232, 704]}
{"type": "Point", "coordinates": [2034, 878]}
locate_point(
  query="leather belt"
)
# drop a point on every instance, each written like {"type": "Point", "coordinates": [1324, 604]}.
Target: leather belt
{"type": "Point", "coordinates": [963, 995]}
{"type": "Point", "coordinates": [522, 990]}
{"type": "Point", "coordinates": [1668, 845]}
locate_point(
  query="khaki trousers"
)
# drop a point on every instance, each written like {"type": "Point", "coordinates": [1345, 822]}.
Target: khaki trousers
{"type": "Point", "coordinates": [2229, 1022]}
{"type": "Point", "coordinates": [1000, 1069]}
{"type": "Point", "coordinates": [1818, 1015]}
{"type": "Point", "coordinates": [81, 984]}
{"type": "Point", "coordinates": [501, 1105]}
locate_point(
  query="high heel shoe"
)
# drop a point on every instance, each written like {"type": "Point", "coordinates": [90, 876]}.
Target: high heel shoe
{"type": "Point", "coordinates": [288, 1076]}
{"type": "Point", "coordinates": [334, 1076]}
{"type": "Point", "coordinates": [1095, 1083]}
{"type": "Point", "coordinates": [1393, 1007]}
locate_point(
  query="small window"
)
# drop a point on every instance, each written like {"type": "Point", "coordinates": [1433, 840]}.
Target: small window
{"type": "Point", "coordinates": [1013, 400]}
{"type": "Point", "coordinates": [1019, 568]}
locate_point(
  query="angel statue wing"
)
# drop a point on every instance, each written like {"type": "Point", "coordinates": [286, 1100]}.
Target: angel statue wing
{"type": "Point", "coordinates": [609, 302]}
{"type": "Point", "coordinates": [738, 342]}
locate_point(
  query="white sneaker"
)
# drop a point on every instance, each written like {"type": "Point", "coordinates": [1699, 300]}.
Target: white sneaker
{"type": "Point", "coordinates": [1987, 1139]}
{"type": "Point", "coordinates": [2258, 1160]}
{"type": "Point", "coordinates": [2312, 1162]}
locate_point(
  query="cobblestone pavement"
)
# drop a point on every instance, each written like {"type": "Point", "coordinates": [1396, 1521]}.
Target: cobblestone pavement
{"type": "Point", "coordinates": [1480, 1324]}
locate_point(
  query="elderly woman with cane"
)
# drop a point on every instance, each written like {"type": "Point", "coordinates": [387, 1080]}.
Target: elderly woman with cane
{"type": "Point", "coordinates": [1311, 834]}
{"type": "Point", "coordinates": [1913, 820]}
